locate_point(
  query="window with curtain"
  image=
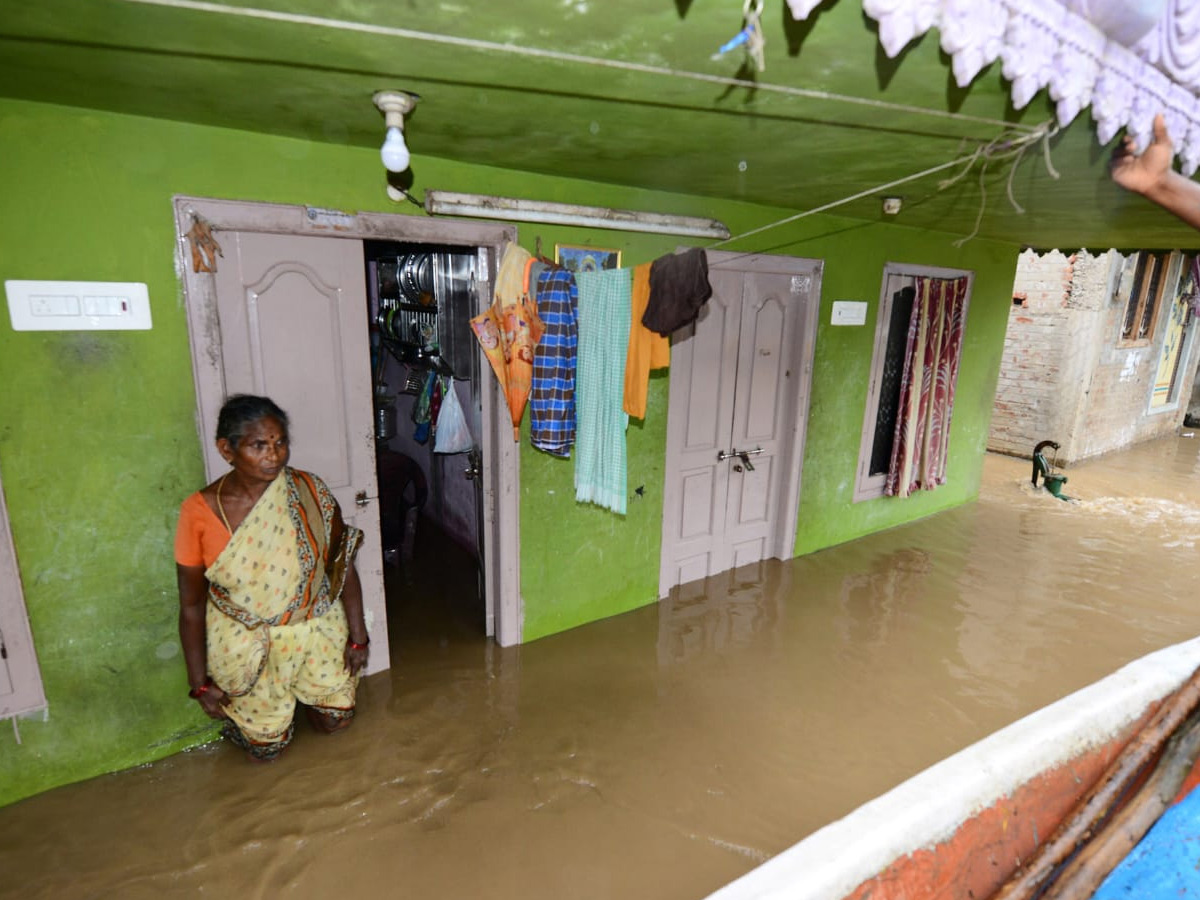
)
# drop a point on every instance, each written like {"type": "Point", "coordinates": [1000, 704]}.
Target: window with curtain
{"type": "Point", "coordinates": [918, 344]}
{"type": "Point", "coordinates": [1145, 292]}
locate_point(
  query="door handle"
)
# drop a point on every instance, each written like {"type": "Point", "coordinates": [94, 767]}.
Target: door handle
{"type": "Point", "coordinates": [744, 456]}
{"type": "Point", "coordinates": [361, 499]}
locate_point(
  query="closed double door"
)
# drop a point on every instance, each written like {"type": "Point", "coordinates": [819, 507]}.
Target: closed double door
{"type": "Point", "coordinates": [740, 379]}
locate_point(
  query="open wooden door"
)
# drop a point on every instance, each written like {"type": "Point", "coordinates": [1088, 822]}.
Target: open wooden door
{"type": "Point", "coordinates": [293, 327]}
{"type": "Point", "coordinates": [286, 315]}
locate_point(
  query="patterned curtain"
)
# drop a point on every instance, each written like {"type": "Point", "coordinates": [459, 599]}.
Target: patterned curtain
{"type": "Point", "coordinates": [935, 334]}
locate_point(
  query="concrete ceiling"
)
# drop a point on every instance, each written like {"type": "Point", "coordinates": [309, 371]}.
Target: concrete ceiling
{"type": "Point", "coordinates": [308, 68]}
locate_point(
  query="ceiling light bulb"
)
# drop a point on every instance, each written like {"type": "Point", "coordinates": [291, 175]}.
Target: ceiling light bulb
{"type": "Point", "coordinates": [394, 153]}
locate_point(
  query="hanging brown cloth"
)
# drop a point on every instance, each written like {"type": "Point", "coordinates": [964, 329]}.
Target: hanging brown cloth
{"type": "Point", "coordinates": [678, 288]}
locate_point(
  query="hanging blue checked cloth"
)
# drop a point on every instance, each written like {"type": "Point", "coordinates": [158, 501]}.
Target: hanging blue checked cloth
{"type": "Point", "coordinates": [605, 300]}
{"type": "Point", "coordinates": [552, 397]}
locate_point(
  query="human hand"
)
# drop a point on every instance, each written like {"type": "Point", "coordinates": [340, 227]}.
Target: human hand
{"type": "Point", "coordinates": [213, 701]}
{"type": "Point", "coordinates": [1143, 172]}
{"type": "Point", "coordinates": [355, 656]}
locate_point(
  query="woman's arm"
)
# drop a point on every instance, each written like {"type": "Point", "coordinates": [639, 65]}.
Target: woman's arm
{"type": "Point", "coordinates": [357, 650]}
{"type": "Point", "coordinates": [1150, 174]}
{"type": "Point", "coordinates": [193, 600]}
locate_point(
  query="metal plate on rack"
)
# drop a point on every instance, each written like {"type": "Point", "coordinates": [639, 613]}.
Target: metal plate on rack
{"type": "Point", "coordinates": [416, 278]}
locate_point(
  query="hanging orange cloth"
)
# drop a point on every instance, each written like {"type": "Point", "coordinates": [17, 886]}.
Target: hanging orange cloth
{"type": "Point", "coordinates": [647, 349]}
{"type": "Point", "coordinates": [508, 330]}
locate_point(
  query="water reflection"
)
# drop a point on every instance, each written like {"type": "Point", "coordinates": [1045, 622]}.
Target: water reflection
{"type": "Point", "coordinates": [661, 753]}
{"type": "Point", "coordinates": [723, 612]}
{"type": "Point", "coordinates": [875, 603]}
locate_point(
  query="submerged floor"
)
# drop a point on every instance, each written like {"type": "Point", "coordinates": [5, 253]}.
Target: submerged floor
{"type": "Point", "coordinates": [661, 753]}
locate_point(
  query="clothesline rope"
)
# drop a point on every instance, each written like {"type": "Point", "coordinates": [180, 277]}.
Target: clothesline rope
{"type": "Point", "coordinates": [559, 56]}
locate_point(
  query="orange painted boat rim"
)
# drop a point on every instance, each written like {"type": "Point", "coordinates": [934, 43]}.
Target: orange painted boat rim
{"type": "Point", "coordinates": [929, 808]}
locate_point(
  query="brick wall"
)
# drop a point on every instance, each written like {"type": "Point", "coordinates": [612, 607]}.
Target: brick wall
{"type": "Point", "coordinates": [1041, 350]}
{"type": "Point", "coordinates": [1062, 376]}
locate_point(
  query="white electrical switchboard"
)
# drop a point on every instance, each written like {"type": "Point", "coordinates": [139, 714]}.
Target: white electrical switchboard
{"type": "Point", "coordinates": [77, 305]}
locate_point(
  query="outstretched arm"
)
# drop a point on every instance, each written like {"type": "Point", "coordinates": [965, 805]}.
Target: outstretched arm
{"type": "Point", "coordinates": [1150, 174]}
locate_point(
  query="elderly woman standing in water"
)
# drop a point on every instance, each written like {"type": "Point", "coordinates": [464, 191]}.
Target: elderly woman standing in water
{"type": "Point", "coordinates": [270, 606]}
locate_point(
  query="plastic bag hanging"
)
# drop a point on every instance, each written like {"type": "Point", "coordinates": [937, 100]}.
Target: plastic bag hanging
{"type": "Point", "coordinates": [453, 435]}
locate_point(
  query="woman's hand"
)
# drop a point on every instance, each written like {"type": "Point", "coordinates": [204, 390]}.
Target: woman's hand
{"type": "Point", "coordinates": [213, 701]}
{"type": "Point", "coordinates": [355, 656]}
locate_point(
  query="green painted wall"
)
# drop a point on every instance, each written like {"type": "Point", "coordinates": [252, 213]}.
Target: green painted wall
{"type": "Point", "coordinates": [98, 443]}
{"type": "Point", "coordinates": [853, 271]}
{"type": "Point", "coordinates": [582, 563]}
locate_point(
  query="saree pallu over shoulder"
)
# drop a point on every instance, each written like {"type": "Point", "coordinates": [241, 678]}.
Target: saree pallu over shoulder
{"type": "Point", "coordinates": [278, 568]}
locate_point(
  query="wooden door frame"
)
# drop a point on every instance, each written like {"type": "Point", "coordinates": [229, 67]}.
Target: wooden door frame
{"type": "Point", "coordinates": [783, 545]}
{"type": "Point", "coordinates": [501, 462]}
{"type": "Point", "coordinates": [28, 693]}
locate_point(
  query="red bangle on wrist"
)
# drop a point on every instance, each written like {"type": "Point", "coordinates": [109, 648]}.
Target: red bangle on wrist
{"type": "Point", "coordinates": [354, 645]}
{"type": "Point", "coordinates": [197, 692]}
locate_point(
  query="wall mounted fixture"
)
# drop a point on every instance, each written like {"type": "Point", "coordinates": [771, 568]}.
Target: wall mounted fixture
{"type": "Point", "coordinates": [512, 209]}
{"type": "Point", "coordinates": [395, 105]}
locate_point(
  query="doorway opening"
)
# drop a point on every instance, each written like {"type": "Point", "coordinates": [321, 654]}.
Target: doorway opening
{"type": "Point", "coordinates": [288, 314]}
{"type": "Point", "coordinates": [424, 361]}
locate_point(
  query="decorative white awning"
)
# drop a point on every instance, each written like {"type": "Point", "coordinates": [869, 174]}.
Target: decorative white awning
{"type": "Point", "coordinates": [1126, 59]}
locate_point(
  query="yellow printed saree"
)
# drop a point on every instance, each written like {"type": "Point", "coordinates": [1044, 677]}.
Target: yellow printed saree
{"type": "Point", "coordinates": [276, 629]}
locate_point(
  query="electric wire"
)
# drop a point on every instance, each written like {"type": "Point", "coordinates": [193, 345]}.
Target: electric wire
{"type": "Point", "coordinates": [999, 148]}
{"type": "Point", "coordinates": [560, 56]}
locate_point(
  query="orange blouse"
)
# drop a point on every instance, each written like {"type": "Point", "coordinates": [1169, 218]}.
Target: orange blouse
{"type": "Point", "coordinates": [200, 536]}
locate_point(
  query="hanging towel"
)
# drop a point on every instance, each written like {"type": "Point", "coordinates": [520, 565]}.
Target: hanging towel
{"type": "Point", "coordinates": [678, 288]}
{"type": "Point", "coordinates": [647, 350]}
{"type": "Point", "coordinates": [604, 314]}
{"type": "Point", "coordinates": [552, 396]}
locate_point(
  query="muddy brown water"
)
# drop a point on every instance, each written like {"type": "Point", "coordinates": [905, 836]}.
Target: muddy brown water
{"type": "Point", "coordinates": [661, 753]}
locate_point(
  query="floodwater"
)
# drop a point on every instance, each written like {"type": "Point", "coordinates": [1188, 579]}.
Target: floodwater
{"type": "Point", "coordinates": [662, 753]}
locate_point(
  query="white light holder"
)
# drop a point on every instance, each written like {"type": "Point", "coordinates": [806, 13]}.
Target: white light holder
{"type": "Point", "coordinates": [395, 105]}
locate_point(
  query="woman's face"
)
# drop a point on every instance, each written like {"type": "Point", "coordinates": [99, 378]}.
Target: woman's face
{"type": "Point", "coordinates": [262, 452]}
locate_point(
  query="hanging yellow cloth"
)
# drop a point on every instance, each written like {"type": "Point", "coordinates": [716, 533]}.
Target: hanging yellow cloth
{"type": "Point", "coordinates": [647, 349]}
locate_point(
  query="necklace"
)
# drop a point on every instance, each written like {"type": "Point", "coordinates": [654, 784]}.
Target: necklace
{"type": "Point", "coordinates": [220, 508]}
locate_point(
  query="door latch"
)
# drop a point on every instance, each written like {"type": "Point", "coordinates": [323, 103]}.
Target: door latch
{"type": "Point", "coordinates": [474, 458]}
{"type": "Point", "coordinates": [360, 499]}
{"type": "Point", "coordinates": [743, 455]}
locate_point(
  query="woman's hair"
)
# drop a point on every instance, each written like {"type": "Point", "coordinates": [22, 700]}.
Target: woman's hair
{"type": "Point", "coordinates": [242, 409]}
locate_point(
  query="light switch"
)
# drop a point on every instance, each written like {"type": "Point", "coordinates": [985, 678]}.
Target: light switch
{"type": "Point", "coordinates": [54, 305]}
{"type": "Point", "coordinates": [77, 305]}
{"type": "Point", "coordinates": [849, 312]}
{"type": "Point", "coordinates": [105, 306]}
